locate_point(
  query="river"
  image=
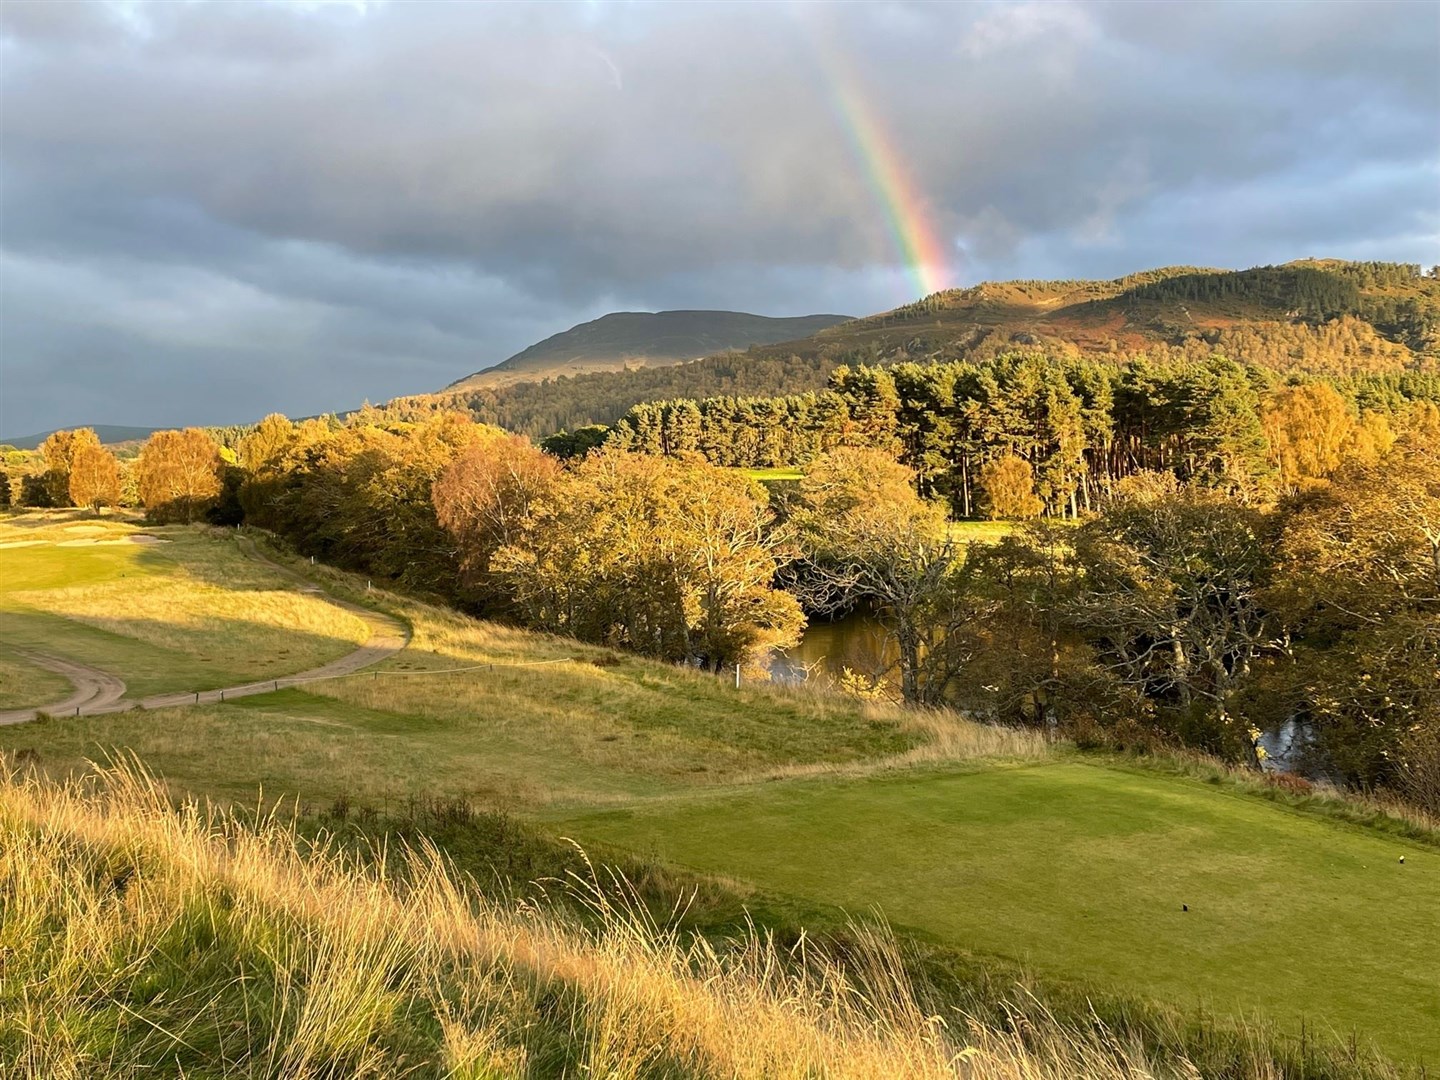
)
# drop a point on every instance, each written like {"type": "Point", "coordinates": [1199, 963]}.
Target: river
{"type": "Point", "coordinates": [858, 641]}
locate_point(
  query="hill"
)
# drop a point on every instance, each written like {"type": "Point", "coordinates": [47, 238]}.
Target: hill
{"type": "Point", "coordinates": [1320, 316]}
{"type": "Point", "coordinates": [975, 838]}
{"type": "Point", "coordinates": [109, 434]}
{"type": "Point", "coordinates": [626, 339]}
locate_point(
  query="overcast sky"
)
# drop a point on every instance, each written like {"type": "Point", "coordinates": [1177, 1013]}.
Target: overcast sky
{"type": "Point", "coordinates": [209, 211]}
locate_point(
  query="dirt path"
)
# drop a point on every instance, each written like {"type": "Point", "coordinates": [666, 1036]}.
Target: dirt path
{"type": "Point", "coordinates": [94, 689]}
{"type": "Point", "coordinates": [99, 692]}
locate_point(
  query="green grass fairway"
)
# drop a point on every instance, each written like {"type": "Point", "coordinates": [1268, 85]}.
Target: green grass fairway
{"type": "Point", "coordinates": [989, 841]}
{"type": "Point", "coordinates": [187, 614]}
{"type": "Point", "coordinates": [23, 683]}
{"type": "Point", "coordinates": [1081, 870]}
{"type": "Point", "coordinates": [779, 472]}
{"type": "Point", "coordinates": [979, 532]}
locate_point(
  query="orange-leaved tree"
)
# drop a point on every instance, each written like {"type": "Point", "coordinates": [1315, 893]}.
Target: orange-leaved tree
{"type": "Point", "coordinates": [1007, 489]}
{"type": "Point", "coordinates": [59, 451]}
{"type": "Point", "coordinates": [94, 477]}
{"type": "Point", "coordinates": [178, 474]}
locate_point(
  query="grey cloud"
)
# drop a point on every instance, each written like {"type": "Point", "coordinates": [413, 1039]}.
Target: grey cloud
{"type": "Point", "coordinates": [318, 203]}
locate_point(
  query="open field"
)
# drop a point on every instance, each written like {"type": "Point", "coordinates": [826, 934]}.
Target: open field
{"type": "Point", "coordinates": [163, 609]}
{"type": "Point", "coordinates": [978, 532]}
{"type": "Point", "coordinates": [984, 840]}
{"type": "Point", "coordinates": [1070, 867]}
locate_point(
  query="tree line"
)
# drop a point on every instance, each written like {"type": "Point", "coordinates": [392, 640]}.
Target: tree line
{"type": "Point", "coordinates": [1185, 603]}
{"type": "Point", "coordinates": [1076, 427]}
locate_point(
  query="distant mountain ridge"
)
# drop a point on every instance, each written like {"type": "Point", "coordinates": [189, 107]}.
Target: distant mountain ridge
{"type": "Point", "coordinates": [1317, 316]}
{"type": "Point", "coordinates": [627, 339]}
{"type": "Point", "coordinates": [108, 434]}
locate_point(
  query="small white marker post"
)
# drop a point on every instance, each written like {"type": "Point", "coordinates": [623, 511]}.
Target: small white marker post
{"type": "Point", "coordinates": [737, 676]}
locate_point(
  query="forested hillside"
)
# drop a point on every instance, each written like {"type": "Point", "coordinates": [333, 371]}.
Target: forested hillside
{"type": "Point", "coordinates": [629, 339]}
{"type": "Point", "coordinates": [1324, 317]}
{"type": "Point", "coordinates": [1068, 429]}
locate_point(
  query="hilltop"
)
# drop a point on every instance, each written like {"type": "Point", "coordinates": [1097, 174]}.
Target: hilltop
{"type": "Point", "coordinates": [109, 435]}
{"type": "Point", "coordinates": [1319, 316]}
{"type": "Point", "coordinates": [627, 339]}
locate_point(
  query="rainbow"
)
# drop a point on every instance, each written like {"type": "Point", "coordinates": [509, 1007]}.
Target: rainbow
{"type": "Point", "coordinates": [920, 246]}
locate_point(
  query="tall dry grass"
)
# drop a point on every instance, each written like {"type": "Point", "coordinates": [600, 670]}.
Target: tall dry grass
{"type": "Point", "coordinates": [138, 937]}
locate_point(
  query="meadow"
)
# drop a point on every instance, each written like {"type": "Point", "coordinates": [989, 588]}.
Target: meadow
{"type": "Point", "coordinates": [995, 843]}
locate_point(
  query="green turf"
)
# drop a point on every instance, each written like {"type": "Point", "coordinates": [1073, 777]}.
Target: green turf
{"type": "Point", "coordinates": [54, 567]}
{"type": "Point", "coordinates": [1081, 870]}
{"type": "Point", "coordinates": [1072, 869]}
{"type": "Point", "coordinates": [580, 740]}
{"type": "Point", "coordinates": [23, 683]}
{"type": "Point", "coordinates": [199, 641]}
{"type": "Point", "coordinates": [145, 668]}
{"type": "Point", "coordinates": [983, 532]}
{"type": "Point", "coordinates": [780, 472]}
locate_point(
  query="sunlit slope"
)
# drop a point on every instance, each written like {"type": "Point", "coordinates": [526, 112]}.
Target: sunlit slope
{"type": "Point", "coordinates": [509, 717]}
{"type": "Point", "coordinates": [166, 609]}
{"type": "Point", "coordinates": [984, 840]}
{"type": "Point", "coordinates": [1322, 316]}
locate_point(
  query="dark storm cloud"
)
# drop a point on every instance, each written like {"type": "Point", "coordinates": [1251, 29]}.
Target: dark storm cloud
{"type": "Point", "coordinates": [213, 210]}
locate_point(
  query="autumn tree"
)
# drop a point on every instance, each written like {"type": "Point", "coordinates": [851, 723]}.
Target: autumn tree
{"type": "Point", "coordinates": [868, 539]}
{"type": "Point", "coordinates": [360, 494]}
{"type": "Point", "coordinates": [487, 498]}
{"type": "Point", "coordinates": [59, 450]}
{"type": "Point", "coordinates": [178, 474]}
{"type": "Point", "coordinates": [1310, 430]}
{"type": "Point", "coordinates": [1360, 584]}
{"type": "Point", "coordinates": [273, 457]}
{"type": "Point", "coordinates": [1031, 664]}
{"type": "Point", "coordinates": [672, 558]}
{"type": "Point", "coordinates": [1169, 595]}
{"type": "Point", "coordinates": [734, 553]}
{"type": "Point", "coordinates": [266, 442]}
{"type": "Point", "coordinates": [1007, 489]}
{"type": "Point", "coordinates": [94, 477]}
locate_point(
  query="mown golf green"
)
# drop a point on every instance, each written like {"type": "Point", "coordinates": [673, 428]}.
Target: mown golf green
{"type": "Point", "coordinates": [1077, 869]}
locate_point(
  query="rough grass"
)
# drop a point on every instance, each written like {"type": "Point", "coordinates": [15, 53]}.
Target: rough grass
{"type": "Point", "coordinates": [1070, 867]}
{"type": "Point", "coordinates": [140, 940]}
{"type": "Point", "coordinates": [525, 720]}
{"type": "Point", "coordinates": [23, 683]}
{"type": "Point", "coordinates": [190, 613]}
